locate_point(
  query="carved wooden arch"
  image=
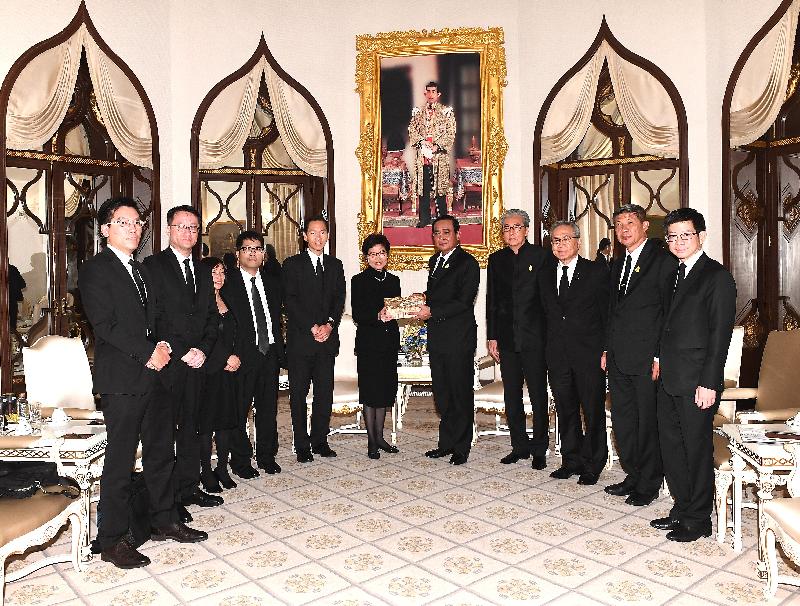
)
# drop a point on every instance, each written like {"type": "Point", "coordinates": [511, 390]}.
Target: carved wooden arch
{"type": "Point", "coordinates": [262, 50]}
{"type": "Point", "coordinates": [680, 111]}
{"type": "Point", "coordinates": [81, 17]}
{"type": "Point", "coordinates": [726, 124]}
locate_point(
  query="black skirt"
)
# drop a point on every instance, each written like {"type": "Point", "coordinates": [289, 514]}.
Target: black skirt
{"type": "Point", "coordinates": [377, 378]}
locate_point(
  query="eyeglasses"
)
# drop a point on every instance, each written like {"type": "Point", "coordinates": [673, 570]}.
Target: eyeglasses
{"type": "Point", "coordinates": [128, 224]}
{"type": "Point", "coordinates": [684, 237]}
{"type": "Point", "coordinates": [564, 240]}
{"type": "Point", "coordinates": [515, 227]}
{"type": "Point", "coordinates": [380, 253]}
{"type": "Point", "coordinates": [252, 249]}
{"type": "Point", "coordinates": [192, 229]}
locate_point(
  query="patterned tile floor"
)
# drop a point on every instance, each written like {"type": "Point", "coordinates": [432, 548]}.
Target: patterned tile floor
{"type": "Point", "coordinates": [410, 530]}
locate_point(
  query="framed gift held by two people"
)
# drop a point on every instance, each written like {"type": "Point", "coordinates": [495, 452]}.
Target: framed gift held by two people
{"type": "Point", "coordinates": [432, 139]}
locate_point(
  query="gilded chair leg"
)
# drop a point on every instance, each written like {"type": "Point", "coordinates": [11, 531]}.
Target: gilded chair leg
{"type": "Point", "coordinates": [772, 564]}
{"type": "Point", "coordinates": [722, 485]}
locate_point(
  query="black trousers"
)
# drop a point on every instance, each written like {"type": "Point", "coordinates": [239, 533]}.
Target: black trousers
{"type": "Point", "coordinates": [129, 418]}
{"type": "Point", "coordinates": [687, 448]}
{"type": "Point", "coordinates": [635, 424]}
{"type": "Point", "coordinates": [187, 441]}
{"type": "Point", "coordinates": [451, 378]}
{"type": "Point", "coordinates": [518, 368]}
{"type": "Point", "coordinates": [305, 369]}
{"type": "Point", "coordinates": [580, 388]}
{"type": "Point", "coordinates": [259, 386]}
{"type": "Point", "coordinates": [424, 210]}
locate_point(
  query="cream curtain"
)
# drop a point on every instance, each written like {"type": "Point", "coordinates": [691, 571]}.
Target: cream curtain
{"type": "Point", "coordinates": [643, 102]}
{"type": "Point", "coordinates": [761, 88]}
{"type": "Point", "coordinates": [42, 93]}
{"type": "Point", "coordinates": [593, 227]}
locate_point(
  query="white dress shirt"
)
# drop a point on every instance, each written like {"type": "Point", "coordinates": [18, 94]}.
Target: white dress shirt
{"type": "Point", "coordinates": [570, 271]}
{"type": "Point", "coordinates": [181, 258]}
{"type": "Point", "coordinates": [634, 254]}
{"type": "Point", "coordinates": [314, 256]}
{"type": "Point", "coordinates": [248, 287]}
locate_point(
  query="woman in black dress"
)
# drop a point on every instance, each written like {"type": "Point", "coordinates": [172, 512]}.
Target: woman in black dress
{"type": "Point", "coordinates": [377, 340]}
{"type": "Point", "coordinates": [218, 407]}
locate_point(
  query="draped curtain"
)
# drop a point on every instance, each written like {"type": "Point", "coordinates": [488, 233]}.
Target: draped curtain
{"type": "Point", "coordinates": [593, 227]}
{"type": "Point", "coordinates": [42, 93]}
{"type": "Point", "coordinates": [761, 88]}
{"type": "Point", "coordinates": [644, 104]}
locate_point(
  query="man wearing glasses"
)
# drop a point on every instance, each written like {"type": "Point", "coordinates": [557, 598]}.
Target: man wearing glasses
{"type": "Point", "coordinates": [121, 304]}
{"type": "Point", "coordinates": [189, 324]}
{"type": "Point", "coordinates": [254, 299]}
{"type": "Point", "coordinates": [694, 347]}
{"type": "Point", "coordinates": [515, 332]}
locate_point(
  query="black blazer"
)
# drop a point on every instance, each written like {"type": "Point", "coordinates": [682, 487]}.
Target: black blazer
{"type": "Point", "coordinates": [124, 331]}
{"type": "Point", "coordinates": [635, 320]}
{"type": "Point", "coordinates": [514, 314]}
{"type": "Point", "coordinates": [601, 258]}
{"type": "Point", "coordinates": [576, 325]}
{"type": "Point", "coordinates": [698, 328]}
{"type": "Point", "coordinates": [451, 297]}
{"type": "Point", "coordinates": [235, 296]}
{"type": "Point", "coordinates": [311, 301]}
{"type": "Point", "coordinates": [366, 299]}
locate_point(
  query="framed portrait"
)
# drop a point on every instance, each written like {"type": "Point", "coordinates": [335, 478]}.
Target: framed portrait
{"type": "Point", "coordinates": [222, 238]}
{"type": "Point", "coordinates": [432, 139]}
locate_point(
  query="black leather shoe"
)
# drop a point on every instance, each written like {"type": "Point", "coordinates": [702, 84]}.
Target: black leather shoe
{"type": "Point", "coordinates": [198, 497]}
{"type": "Point", "coordinates": [687, 534]}
{"type": "Point", "coordinates": [270, 466]}
{"type": "Point", "coordinates": [390, 448]}
{"type": "Point", "coordinates": [564, 473]}
{"type": "Point", "coordinates": [210, 482]}
{"type": "Point", "coordinates": [538, 461]}
{"type": "Point", "coordinates": [641, 500]}
{"type": "Point", "coordinates": [124, 556]}
{"type": "Point", "coordinates": [323, 450]}
{"type": "Point", "coordinates": [667, 523]}
{"type": "Point", "coordinates": [374, 454]}
{"type": "Point", "coordinates": [620, 489]}
{"type": "Point", "coordinates": [178, 532]}
{"type": "Point", "coordinates": [588, 478]}
{"type": "Point", "coordinates": [304, 456]}
{"type": "Point", "coordinates": [438, 453]}
{"type": "Point", "coordinates": [514, 456]}
{"type": "Point", "coordinates": [224, 478]}
{"type": "Point", "coordinates": [183, 514]}
{"type": "Point", "coordinates": [458, 459]}
{"type": "Point", "coordinates": [246, 473]}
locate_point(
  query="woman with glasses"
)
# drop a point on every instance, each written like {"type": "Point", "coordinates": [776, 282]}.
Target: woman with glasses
{"type": "Point", "coordinates": [377, 340]}
{"type": "Point", "coordinates": [218, 407]}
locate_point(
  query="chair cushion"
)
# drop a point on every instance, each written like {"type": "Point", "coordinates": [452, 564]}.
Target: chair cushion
{"type": "Point", "coordinates": [345, 394]}
{"type": "Point", "coordinates": [492, 396]}
{"type": "Point", "coordinates": [21, 516]}
{"type": "Point", "coordinates": [722, 454]}
{"type": "Point", "coordinates": [786, 512]}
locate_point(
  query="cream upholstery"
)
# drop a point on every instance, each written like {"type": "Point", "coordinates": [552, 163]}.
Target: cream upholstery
{"type": "Point", "coordinates": [34, 521]}
{"type": "Point", "coordinates": [780, 521]}
{"type": "Point", "coordinates": [57, 373]}
{"type": "Point", "coordinates": [733, 367]}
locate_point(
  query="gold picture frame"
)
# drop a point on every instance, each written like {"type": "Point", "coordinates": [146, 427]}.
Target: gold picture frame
{"type": "Point", "coordinates": [488, 44]}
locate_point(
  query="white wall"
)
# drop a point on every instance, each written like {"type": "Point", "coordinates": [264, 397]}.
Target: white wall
{"type": "Point", "coordinates": [180, 49]}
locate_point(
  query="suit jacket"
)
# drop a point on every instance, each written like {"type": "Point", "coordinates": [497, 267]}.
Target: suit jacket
{"type": "Point", "coordinates": [576, 323]}
{"type": "Point", "coordinates": [635, 320]}
{"type": "Point", "coordinates": [310, 301]}
{"type": "Point", "coordinates": [697, 330]}
{"type": "Point", "coordinates": [514, 314]}
{"type": "Point", "coordinates": [366, 299]}
{"type": "Point", "coordinates": [235, 296]}
{"type": "Point", "coordinates": [601, 258]}
{"type": "Point", "coordinates": [451, 297]}
{"type": "Point", "coordinates": [124, 330]}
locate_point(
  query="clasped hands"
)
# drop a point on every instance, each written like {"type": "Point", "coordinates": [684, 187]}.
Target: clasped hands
{"type": "Point", "coordinates": [160, 356]}
{"type": "Point", "coordinates": [321, 332]}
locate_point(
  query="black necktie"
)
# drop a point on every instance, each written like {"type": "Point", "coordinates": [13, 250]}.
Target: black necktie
{"type": "Point", "coordinates": [625, 275]}
{"type": "Point", "coordinates": [318, 270]}
{"type": "Point", "coordinates": [563, 284]}
{"type": "Point", "coordinates": [189, 277]}
{"type": "Point", "coordinates": [137, 279]}
{"type": "Point", "coordinates": [261, 319]}
{"type": "Point", "coordinates": [679, 279]}
{"type": "Point", "coordinates": [439, 265]}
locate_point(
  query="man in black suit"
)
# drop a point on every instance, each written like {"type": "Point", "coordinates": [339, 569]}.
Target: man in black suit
{"type": "Point", "coordinates": [575, 298]}
{"type": "Point", "coordinates": [636, 313]}
{"type": "Point", "coordinates": [515, 334]}
{"type": "Point", "coordinates": [254, 299]}
{"type": "Point", "coordinates": [693, 349]}
{"type": "Point", "coordinates": [120, 302]}
{"type": "Point", "coordinates": [314, 288]}
{"type": "Point", "coordinates": [189, 324]}
{"type": "Point", "coordinates": [604, 253]}
{"type": "Point", "coordinates": [449, 310]}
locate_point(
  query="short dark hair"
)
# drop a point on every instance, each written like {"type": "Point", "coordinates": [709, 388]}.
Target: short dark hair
{"type": "Point", "coordinates": [634, 209]}
{"type": "Point", "coordinates": [212, 262]}
{"type": "Point", "coordinates": [248, 234]}
{"type": "Point", "coordinates": [183, 208]}
{"type": "Point", "coordinates": [313, 218]}
{"type": "Point", "coordinates": [110, 206]}
{"type": "Point", "coordinates": [432, 84]}
{"type": "Point", "coordinates": [603, 243]}
{"type": "Point", "coordinates": [229, 261]}
{"type": "Point", "coordinates": [204, 249]}
{"type": "Point", "coordinates": [269, 252]}
{"type": "Point", "coordinates": [374, 240]}
{"type": "Point", "coordinates": [456, 225]}
{"type": "Point", "coordinates": [680, 215]}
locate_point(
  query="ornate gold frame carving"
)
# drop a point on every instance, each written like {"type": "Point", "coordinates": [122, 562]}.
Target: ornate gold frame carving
{"type": "Point", "coordinates": [370, 49]}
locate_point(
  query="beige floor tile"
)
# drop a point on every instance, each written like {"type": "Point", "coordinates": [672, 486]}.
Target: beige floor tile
{"type": "Point", "coordinates": [458, 498]}
{"type": "Point", "coordinates": [266, 560]}
{"type": "Point", "coordinates": [276, 484]}
{"type": "Point", "coordinates": [460, 528]}
{"type": "Point", "coordinates": [348, 484]}
{"type": "Point", "coordinates": [372, 525]}
{"type": "Point", "coordinates": [243, 491]}
{"type": "Point", "coordinates": [352, 596]}
{"type": "Point", "coordinates": [618, 586]}
{"type": "Point", "coordinates": [362, 563]}
{"type": "Point", "coordinates": [258, 507]}
{"type": "Point", "coordinates": [17, 562]}
{"type": "Point", "coordinates": [705, 550]}
{"type": "Point", "coordinates": [726, 588]}
{"type": "Point", "coordinates": [422, 486]}
{"type": "Point", "coordinates": [508, 546]}
{"type": "Point", "coordinates": [390, 473]}
{"type": "Point", "coordinates": [338, 509]}
{"type": "Point", "coordinates": [101, 576]}
{"type": "Point", "coordinates": [523, 473]}
{"type": "Point", "coordinates": [500, 513]}
{"type": "Point", "coordinates": [321, 542]}
{"type": "Point", "coordinates": [168, 556]}
{"type": "Point", "coordinates": [420, 511]}
{"type": "Point", "coordinates": [212, 518]}
{"type": "Point", "coordinates": [462, 566]}
{"type": "Point", "coordinates": [571, 598]}
{"type": "Point", "coordinates": [668, 569]}
{"type": "Point", "coordinates": [538, 500]}
{"type": "Point", "coordinates": [146, 592]}
{"type": "Point", "coordinates": [495, 487]}
{"type": "Point", "coordinates": [411, 586]}
{"type": "Point", "coordinates": [235, 538]}
{"type": "Point", "coordinates": [42, 591]}
{"type": "Point", "coordinates": [515, 586]}
{"type": "Point", "coordinates": [636, 529]}
{"type": "Point", "coordinates": [305, 496]}
{"type": "Point", "coordinates": [610, 550]}
{"type": "Point", "coordinates": [462, 597]}
{"type": "Point", "coordinates": [456, 475]}
{"type": "Point", "coordinates": [563, 567]}
{"type": "Point", "coordinates": [249, 594]}
{"type": "Point", "coordinates": [199, 580]}
{"type": "Point", "coordinates": [381, 497]}
{"type": "Point", "coordinates": [610, 501]}
{"type": "Point", "coordinates": [414, 544]}
{"type": "Point", "coordinates": [288, 523]}
{"type": "Point", "coordinates": [547, 528]}
{"type": "Point", "coordinates": [304, 584]}
{"type": "Point", "coordinates": [590, 516]}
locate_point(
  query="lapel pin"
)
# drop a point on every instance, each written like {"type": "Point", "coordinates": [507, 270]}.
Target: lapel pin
{"type": "Point", "coordinates": [637, 269]}
{"type": "Point", "coordinates": [447, 265]}
{"type": "Point", "coordinates": [530, 267]}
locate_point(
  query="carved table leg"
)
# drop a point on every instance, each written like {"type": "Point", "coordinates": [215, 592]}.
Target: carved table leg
{"type": "Point", "coordinates": [738, 464]}
{"type": "Point", "coordinates": [766, 485]}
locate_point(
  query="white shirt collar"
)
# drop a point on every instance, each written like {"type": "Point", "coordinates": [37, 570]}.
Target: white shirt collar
{"type": "Point", "coordinates": [689, 262]}
{"type": "Point", "coordinates": [247, 276]}
{"type": "Point", "coordinates": [314, 256]}
{"type": "Point", "coordinates": [570, 270]}
{"type": "Point", "coordinates": [125, 258]}
{"type": "Point", "coordinates": [636, 252]}
{"type": "Point", "coordinates": [446, 257]}
{"type": "Point", "coordinates": [181, 258]}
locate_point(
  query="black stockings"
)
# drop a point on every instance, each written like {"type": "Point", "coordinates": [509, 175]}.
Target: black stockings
{"type": "Point", "coordinates": [374, 419]}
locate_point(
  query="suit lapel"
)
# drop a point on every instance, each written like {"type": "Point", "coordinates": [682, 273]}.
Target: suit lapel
{"type": "Point", "coordinates": [122, 273]}
{"type": "Point", "coordinates": [644, 261]}
{"type": "Point", "coordinates": [688, 283]}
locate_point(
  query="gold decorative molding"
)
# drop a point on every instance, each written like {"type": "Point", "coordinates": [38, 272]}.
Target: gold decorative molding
{"type": "Point", "coordinates": [794, 78]}
{"type": "Point", "coordinates": [753, 329]}
{"type": "Point", "coordinates": [749, 212]}
{"type": "Point", "coordinates": [489, 43]}
{"type": "Point", "coordinates": [47, 157]}
{"type": "Point", "coordinates": [791, 214]}
{"type": "Point", "coordinates": [791, 319]}
{"type": "Point", "coordinates": [250, 171]}
{"type": "Point", "coordinates": [609, 161]}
